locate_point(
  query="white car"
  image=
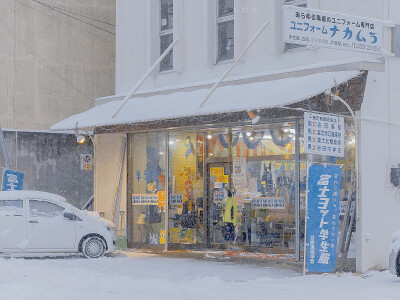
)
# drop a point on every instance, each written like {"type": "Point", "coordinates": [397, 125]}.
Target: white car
{"type": "Point", "coordinates": [394, 254]}
{"type": "Point", "coordinates": [34, 222]}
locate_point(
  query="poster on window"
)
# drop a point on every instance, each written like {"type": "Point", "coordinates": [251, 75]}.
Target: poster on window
{"type": "Point", "coordinates": [323, 217]}
{"type": "Point", "coordinates": [323, 134]}
{"type": "Point", "coordinates": [144, 199]}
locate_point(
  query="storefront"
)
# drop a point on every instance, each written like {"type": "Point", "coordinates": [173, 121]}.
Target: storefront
{"type": "Point", "coordinates": [179, 168]}
{"type": "Point", "coordinates": [263, 165]}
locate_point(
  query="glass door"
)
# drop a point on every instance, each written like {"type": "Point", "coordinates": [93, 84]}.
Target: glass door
{"type": "Point", "coordinates": [218, 177]}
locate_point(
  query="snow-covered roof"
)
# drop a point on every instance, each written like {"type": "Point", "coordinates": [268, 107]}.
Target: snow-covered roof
{"type": "Point", "coordinates": [19, 195]}
{"type": "Point", "coordinates": [255, 95]}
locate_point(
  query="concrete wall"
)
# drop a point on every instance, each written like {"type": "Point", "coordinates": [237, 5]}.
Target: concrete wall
{"type": "Point", "coordinates": [51, 163]}
{"type": "Point", "coordinates": [194, 62]}
{"type": "Point", "coordinates": [32, 96]}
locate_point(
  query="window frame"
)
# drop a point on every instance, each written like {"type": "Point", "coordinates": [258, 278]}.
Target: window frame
{"type": "Point", "coordinates": [288, 47]}
{"type": "Point", "coordinates": [46, 201]}
{"type": "Point", "coordinates": [163, 33]}
{"type": "Point", "coordinates": [220, 20]}
{"type": "Point", "coordinates": [14, 200]}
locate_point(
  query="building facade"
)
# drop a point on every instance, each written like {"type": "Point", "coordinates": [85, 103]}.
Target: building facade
{"type": "Point", "coordinates": [178, 149]}
{"type": "Point", "coordinates": [56, 58]}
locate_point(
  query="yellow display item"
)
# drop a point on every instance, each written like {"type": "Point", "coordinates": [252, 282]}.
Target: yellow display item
{"type": "Point", "coordinates": [162, 237]}
{"type": "Point", "coordinates": [230, 204]}
{"type": "Point", "coordinates": [174, 235]}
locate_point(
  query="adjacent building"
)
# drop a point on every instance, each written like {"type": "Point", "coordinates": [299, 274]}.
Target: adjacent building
{"type": "Point", "coordinates": [56, 58]}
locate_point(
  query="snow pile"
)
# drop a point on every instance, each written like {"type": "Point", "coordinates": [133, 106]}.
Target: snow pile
{"type": "Point", "coordinates": [140, 276]}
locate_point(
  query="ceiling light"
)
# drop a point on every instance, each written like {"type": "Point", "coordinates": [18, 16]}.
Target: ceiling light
{"type": "Point", "coordinates": [80, 139]}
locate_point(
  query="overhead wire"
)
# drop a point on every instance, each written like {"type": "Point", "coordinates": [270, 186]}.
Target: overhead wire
{"type": "Point", "coordinates": [41, 60]}
{"type": "Point", "coordinates": [72, 17]}
{"type": "Point", "coordinates": [75, 13]}
{"type": "Point", "coordinates": [69, 24]}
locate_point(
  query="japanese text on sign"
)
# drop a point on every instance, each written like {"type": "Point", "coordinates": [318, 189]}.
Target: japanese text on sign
{"type": "Point", "coordinates": [12, 181]}
{"type": "Point", "coordinates": [323, 217]}
{"type": "Point", "coordinates": [175, 199]}
{"type": "Point", "coordinates": [144, 199]}
{"type": "Point", "coordinates": [268, 202]}
{"type": "Point", "coordinates": [219, 196]}
{"type": "Point", "coordinates": [323, 134]}
{"type": "Point", "coordinates": [332, 30]}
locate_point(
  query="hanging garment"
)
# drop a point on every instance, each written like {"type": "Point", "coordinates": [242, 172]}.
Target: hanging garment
{"type": "Point", "coordinates": [230, 214]}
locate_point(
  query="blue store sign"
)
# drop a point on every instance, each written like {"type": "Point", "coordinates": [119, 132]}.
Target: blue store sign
{"type": "Point", "coordinates": [323, 217]}
{"type": "Point", "coordinates": [12, 180]}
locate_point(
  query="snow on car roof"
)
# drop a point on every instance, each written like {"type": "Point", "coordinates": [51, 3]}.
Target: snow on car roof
{"type": "Point", "coordinates": [17, 195]}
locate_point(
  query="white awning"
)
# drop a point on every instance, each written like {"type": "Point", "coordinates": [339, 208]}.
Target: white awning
{"type": "Point", "coordinates": [256, 95]}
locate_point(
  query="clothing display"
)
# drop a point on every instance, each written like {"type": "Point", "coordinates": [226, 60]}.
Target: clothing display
{"type": "Point", "coordinates": [230, 211]}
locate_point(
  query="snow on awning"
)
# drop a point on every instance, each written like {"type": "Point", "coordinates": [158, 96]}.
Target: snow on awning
{"type": "Point", "coordinates": [257, 95]}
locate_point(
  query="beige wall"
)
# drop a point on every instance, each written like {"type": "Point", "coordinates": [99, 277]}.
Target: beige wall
{"type": "Point", "coordinates": [107, 162]}
{"type": "Point", "coordinates": [32, 96]}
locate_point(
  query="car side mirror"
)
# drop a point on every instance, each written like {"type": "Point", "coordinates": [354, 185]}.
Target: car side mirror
{"type": "Point", "coordinates": [69, 216]}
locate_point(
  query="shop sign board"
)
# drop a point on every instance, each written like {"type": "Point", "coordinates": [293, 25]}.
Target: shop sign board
{"type": "Point", "coordinates": [219, 197]}
{"type": "Point", "coordinates": [175, 199]}
{"type": "Point", "coordinates": [328, 29]}
{"type": "Point", "coordinates": [323, 134]}
{"type": "Point", "coordinates": [12, 180]}
{"type": "Point", "coordinates": [268, 202]}
{"type": "Point", "coordinates": [323, 217]}
{"type": "Point", "coordinates": [144, 199]}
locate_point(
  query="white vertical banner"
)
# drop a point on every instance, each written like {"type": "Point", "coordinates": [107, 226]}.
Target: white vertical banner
{"type": "Point", "coordinates": [323, 134]}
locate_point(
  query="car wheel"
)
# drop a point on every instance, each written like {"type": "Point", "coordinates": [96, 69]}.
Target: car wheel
{"type": "Point", "coordinates": [93, 247]}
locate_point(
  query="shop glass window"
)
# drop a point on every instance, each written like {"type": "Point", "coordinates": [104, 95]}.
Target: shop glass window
{"type": "Point", "coordinates": [299, 3]}
{"type": "Point", "coordinates": [44, 209]}
{"type": "Point", "coordinates": [225, 30]}
{"type": "Point", "coordinates": [148, 188]}
{"type": "Point", "coordinates": [11, 208]}
{"type": "Point", "coordinates": [257, 163]}
{"type": "Point", "coordinates": [166, 33]}
{"type": "Point", "coordinates": [186, 201]}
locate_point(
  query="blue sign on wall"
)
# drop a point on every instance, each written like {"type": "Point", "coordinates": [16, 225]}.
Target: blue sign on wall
{"type": "Point", "coordinates": [12, 180]}
{"type": "Point", "coordinates": [323, 217]}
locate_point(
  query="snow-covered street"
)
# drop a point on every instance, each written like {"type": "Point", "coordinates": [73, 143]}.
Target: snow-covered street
{"type": "Point", "coordinates": [145, 276]}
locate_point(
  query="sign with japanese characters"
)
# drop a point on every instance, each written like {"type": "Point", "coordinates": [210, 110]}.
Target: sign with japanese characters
{"type": "Point", "coordinates": [219, 197]}
{"type": "Point", "coordinates": [175, 199]}
{"type": "Point", "coordinates": [12, 180]}
{"type": "Point", "coordinates": [323, 134]}
{"type": "Point", "coordinates": [323, 217]}
{"type": "Point", "coordinates": [144, 199]}
{"type": "Point", "coordinates": [268, 202]}
{"type": "Point", "coordinates": [332, 30]}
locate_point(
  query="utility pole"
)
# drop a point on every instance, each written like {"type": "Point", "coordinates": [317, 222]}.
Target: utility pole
{"type": "Point", "coordinates": [5, 151]}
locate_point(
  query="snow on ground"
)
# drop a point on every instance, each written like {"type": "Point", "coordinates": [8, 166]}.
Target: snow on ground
{"type": "Point", "coordinates": [144, 276]}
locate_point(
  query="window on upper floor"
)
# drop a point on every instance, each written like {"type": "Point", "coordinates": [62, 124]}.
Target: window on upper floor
{"type": "Point", "coordinates": [225, 30]}
{"type": "Point", "coordinates": [300, 3]}
{"type": "Point", "coordinates": [166, 33]}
